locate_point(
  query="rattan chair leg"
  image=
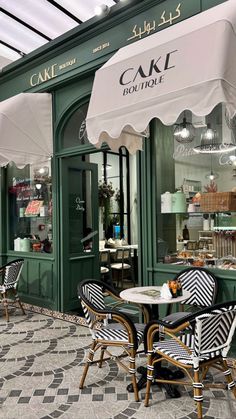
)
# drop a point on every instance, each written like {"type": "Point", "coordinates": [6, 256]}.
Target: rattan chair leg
{"type": "Point", "coordinates": [150, 369]}
{"type": "Point", "coordinates": [18, 301]}
{"type": "Point", "coordinates": [89, 360]}
{"type": "Point", "coordinates": [5, 305]}
{"type": "Point", "coordinates": [229, 378]}
{"type": "Point", "coordinates": [101, 356]}
{"type": "Point", "coordinates": [132, 369]}
{"type": "Point", "coordinates": [198, 394]}
{"type": "Point", "coordinates": [204, 373]}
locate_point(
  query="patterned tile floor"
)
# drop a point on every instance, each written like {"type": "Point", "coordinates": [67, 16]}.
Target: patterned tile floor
{"type": "Point", "coordinates": [40, 366]}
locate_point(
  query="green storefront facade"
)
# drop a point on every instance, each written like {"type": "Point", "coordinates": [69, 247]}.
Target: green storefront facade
{"type": "Point", "coordinates": [66, 68]}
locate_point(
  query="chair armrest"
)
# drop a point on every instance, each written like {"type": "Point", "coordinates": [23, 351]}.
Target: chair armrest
{"type": "Point", "coordinates": [118, 317]}
{"type": "Point", "coordinates": [153, 328]}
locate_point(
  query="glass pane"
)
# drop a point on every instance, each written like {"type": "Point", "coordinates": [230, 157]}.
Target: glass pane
{"type": "Point", "coordinates": [80, 211]}
{"type": "Point", "coordinates": [196, 190]}
{"type": "Point", "coordinates": [75, 131]}
{"type": "Point", "coordinates": [30, 208]}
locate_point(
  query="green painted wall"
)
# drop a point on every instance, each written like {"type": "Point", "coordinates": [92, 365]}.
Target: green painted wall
{"type": "Point", "coordinates": [66, 67]}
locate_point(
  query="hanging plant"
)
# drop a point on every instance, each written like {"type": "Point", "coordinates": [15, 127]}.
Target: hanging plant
{"type": "Point", "coordinates": [105, 193]}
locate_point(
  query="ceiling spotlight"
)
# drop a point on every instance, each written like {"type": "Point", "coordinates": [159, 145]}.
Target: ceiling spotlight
{"type": "Point", "coordinates": [101, 10]}
{"type": "Point", "coordinates": [184, 132]}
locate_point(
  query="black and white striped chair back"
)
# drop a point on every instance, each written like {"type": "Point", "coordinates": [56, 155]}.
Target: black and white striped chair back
{"type": "Point", "coordinates": [93, 294]}
{"type": "Point", "coordinates": [214, 332]}
{"type": "Point", "coordinates": [12, 273]}
{"type": "Point", "coordinates": [202, 285]}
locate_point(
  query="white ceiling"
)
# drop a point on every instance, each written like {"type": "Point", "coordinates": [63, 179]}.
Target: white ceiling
{"type": "Point", "coordinates": [28, 24]}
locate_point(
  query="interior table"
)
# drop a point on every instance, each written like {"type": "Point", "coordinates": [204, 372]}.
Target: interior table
{"type": "Point", "coordinates": [151, 295]}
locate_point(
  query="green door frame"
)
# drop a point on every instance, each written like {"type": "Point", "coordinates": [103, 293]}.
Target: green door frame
{"type": "Point", "coordinates": [77, 265]}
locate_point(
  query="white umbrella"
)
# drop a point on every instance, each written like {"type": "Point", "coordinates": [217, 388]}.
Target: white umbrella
{"type": "Point", "coordinates": [26, 129]}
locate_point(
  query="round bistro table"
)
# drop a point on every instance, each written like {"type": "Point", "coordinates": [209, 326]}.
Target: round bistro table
{"type": "Point", "coordinates": [151, 295]}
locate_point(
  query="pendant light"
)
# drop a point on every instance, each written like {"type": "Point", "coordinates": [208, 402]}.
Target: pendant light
{"type": "Point", "coordinates": [212, 175]}
{"type": "Point", "coordinates": [184, 132]}
{"type": "Point", "coordinates": [210, 143]}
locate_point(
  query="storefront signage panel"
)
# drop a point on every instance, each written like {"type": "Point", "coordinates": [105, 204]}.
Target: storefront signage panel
{"type": "Point", "coordinates": [146, 23]}
{"type": "Point", "coordinates": [50, 72]}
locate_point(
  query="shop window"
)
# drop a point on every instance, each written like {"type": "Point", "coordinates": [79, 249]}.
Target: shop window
{"type": "Point", "coordinates": [75, 133]}
{"type": "Point", "coordinates": [196, 192]}
{"type": "Point", "coordinates": [30, 208]}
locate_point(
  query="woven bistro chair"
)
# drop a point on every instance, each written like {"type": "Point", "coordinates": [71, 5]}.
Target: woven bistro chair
{"type": "Point", "coordinates": [105, 267]}
{"type": "Point", "coordinates": [10, 274]}
{"type": "Point", "coordinates": [122, 267]}
{"type": "Point", "coordinates": [203, 287]}
{"type": "Point", "coordinates": [109, 328]}
{"type": "Point", "coordinates": [208, 347]}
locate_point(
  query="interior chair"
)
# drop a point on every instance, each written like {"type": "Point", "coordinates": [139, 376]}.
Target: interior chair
{"type": "Point", "coordinates": [122, 268]}
{"type": "Point", "coordinates": [109, 328]}
{"type": "Point", "coordinates": [105, 267]}
{"type": "Point", "coordinates": [10, 274]}
{"type": "Point", "coordinates": [208, 347]}
{"type": "Point", "coordinates": [162, 249]}
{"type": "Point", "coordinates": [203, 287]}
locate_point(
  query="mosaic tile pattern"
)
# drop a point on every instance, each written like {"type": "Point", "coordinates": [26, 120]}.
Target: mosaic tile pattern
{"type": "Point", "coordinates": [41, 361]}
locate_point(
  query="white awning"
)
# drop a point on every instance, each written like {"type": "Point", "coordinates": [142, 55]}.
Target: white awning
{"type": "Point", "coordinates": [26, 129]}
{"type": "Point", "coordinates": [191, 65]}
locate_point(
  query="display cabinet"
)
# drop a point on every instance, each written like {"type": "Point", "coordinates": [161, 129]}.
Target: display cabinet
{"type": "Point", "coordinates": [30, 209]}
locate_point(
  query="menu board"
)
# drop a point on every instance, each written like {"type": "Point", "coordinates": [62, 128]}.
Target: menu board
{"type": "Point", "coordinates": [33, 207]}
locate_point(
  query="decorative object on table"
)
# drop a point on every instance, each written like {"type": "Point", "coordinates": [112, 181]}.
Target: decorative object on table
{"type": "Point", "coordinates": [166, 202]}
{"type": "Point", "coordinates": [211, 187]}
{"type": "Point", "coordinates": [151, 293]}
{"type": "Point", "coordinates": [191, 207]}
{"type": "Point", "coordinates": [218, 202]}
{"type": "Point", "coordinates": [184, 132]}
{"type": "Point", "coordinates": [206, 223]}
{"type": "Point", "coordinates": [175, 288]}
{"type": "Point", "coordinates": [43, 212]}
{"type": "Point", "coordinates": [17, 242]}
{"type": "Point", "coordinates": [166, 291]}
{"type": "Point", "coordinates": [192, 245]}
{"type": "Point", "coordinates": [25, 245]}
{"type": "Point", "coordinates": [185, 233]}
{"type": "Point", "coordinates": [178, 202]}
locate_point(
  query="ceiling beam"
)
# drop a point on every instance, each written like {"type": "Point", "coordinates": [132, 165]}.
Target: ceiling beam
{"type": "Point", "coordinates": [22, 22]}
{"type": "Point", "coordinates": [62, 9]}
{"type": "Point", "coordinates": [22, 53]}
